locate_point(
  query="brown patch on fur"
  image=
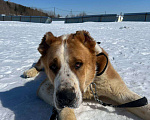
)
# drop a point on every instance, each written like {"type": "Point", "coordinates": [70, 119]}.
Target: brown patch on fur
{"type": "Point", "coordinates": [86, 39]}
{"type": "Point", "coordinates": [48, 48]}
{"type": "Point", "coordinates": [81, 48]}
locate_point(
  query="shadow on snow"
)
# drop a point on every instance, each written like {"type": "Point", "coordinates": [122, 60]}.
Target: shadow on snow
{"type": "Point", "coordinates": [24, 102]}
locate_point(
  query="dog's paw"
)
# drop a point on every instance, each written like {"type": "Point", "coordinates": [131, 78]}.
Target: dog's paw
{"type": "Point", "coordinates": [67, 114]}
{"type": "Point", "coordinates": [87, 94]}
{"type": "Point", "coordinates": [30, 73]}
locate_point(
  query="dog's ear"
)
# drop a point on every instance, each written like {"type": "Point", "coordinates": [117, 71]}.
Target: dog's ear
{"type": "Point", "coordinates": [86, 39]}
{"type": "Point", "coordinates": [45, 43]}
{"type": "Point", "coordinates": [102, 63]}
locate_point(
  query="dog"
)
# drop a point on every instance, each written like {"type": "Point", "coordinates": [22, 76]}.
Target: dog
{"type": "Point", "coordinates": [71, 64]}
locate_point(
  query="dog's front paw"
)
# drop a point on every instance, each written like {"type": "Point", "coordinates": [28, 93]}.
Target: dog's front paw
{"type": "Point", "coordinates": [87, 94]}
{"type": "Point", "coordinates": [30, 73]}
{"type": "Point", "coordinates": [67, 114]}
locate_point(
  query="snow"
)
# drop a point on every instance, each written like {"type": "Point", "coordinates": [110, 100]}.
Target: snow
{"type": "Point", "coordinates": [126, 42]}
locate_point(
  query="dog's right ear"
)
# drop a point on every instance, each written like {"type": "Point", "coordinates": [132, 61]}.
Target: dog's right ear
{"type": "Point", "coordinates": [45, 43]}
{"type": "Point", "coordinates": [102, 63]}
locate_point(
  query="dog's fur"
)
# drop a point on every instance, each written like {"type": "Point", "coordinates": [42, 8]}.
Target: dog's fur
{"type": "Point", "coordinates": [71, 64]}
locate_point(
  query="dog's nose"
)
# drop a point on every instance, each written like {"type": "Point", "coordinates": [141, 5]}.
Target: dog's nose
{"type": "Point", "coordinates": [65, 97]}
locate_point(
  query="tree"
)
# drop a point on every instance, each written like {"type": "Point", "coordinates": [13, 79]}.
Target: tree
{"type": "Point", "coordinates": [81, 14]}
{"type": "Point", "coordinates": [58, 16]}
{"type": "Point", "coordinates": [16, 9]}
{"type": "Point", "coordinates": [67, 16]}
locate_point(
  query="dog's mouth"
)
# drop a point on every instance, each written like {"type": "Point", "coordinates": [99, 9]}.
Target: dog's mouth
{"type": "Point", "coordinates": [65, 104]}
{"type": "Point", "coordinates": [66, 98]}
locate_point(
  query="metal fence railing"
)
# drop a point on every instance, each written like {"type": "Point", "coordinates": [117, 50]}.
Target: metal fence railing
{"type": "Point", "coordinates": [144, 17]}
{"type": "Point", "coordinates": [92, 18]}
{"type": "Point", "coordinates": [58, 19]}
{"type": "Point", "coordinates": [35, 19]}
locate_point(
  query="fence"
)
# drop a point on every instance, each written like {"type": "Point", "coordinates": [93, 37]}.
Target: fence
{"type": "Point", "coordinates": [92, 18]}
{"type": "Point", "coordinates": [58, 19]}
{"type": "Point", "coordinates": [136, 17]}
{"type": "Point", "coordinates": [88, 18]}
{"type": "Point", "coordinates": [36, 19]}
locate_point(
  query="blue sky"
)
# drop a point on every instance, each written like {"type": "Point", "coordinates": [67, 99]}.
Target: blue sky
{"type": "Point", "coordinates": [63, 7]}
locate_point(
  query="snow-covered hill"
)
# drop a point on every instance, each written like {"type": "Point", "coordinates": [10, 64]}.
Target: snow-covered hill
{"type": "Point", "coordinates": [128, 45]}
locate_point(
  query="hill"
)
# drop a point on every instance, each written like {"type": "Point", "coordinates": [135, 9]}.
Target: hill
{"type": "Point", "coordinates": [10, 8]}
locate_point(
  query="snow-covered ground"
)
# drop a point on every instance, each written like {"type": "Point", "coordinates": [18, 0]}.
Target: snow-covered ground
{"type": "Point", "coordinates": [128, 45]}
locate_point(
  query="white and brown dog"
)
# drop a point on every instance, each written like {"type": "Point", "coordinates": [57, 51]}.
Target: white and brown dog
{"type": "Point", "coordinates": [71, 64]}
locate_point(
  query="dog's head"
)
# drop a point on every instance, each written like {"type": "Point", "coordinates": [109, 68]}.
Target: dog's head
{"type": "Point", "coordinates": [70, 63]}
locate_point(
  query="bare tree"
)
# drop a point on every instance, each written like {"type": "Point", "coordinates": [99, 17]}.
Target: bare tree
{"type": "Point", "coordinates": [81, 14]}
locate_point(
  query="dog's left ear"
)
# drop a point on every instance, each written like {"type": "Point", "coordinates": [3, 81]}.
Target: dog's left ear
{"type": "Point", "coordinates": [86, 39]}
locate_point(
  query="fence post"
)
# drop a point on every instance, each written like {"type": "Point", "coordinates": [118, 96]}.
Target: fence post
{"type": "Point", "coordinates": [100, 18]}
{"type": "Point", "coordinates": [3, 18]}
{"type": "Point", "coordinates": [40, 19]}
{"type": "Point", "coordinates": [20, 18]}
{"type": "Point", "coordinates": [145, 17]}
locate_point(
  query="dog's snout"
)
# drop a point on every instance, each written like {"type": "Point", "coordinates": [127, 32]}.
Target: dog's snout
{"type": "Point", "coordinates": [66, 97]}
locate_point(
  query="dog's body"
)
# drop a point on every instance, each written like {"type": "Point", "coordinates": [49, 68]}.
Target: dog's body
{"type": "Point", "coordinates": [71, 64]}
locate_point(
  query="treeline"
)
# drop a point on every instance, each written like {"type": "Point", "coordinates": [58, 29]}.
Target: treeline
{"type": "Point", "coordinates": [78, 15]}
{"type": "Point", "coordinates": [9, 8]}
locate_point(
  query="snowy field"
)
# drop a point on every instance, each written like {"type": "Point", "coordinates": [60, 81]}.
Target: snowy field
{"type": "Point", "coordinates": [128, 45]}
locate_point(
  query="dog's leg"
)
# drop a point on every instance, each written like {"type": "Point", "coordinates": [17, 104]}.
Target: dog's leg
{"type": "Point", "coordinates": [116, 90]}
{"type": "Point", "coordinates": [111, 85]}
{"type": "Point", "coordinates": [45, 92]}
{"type": "Point", "coordinates": [34, 70]}
{"type": "Point", "coordinates": [67, 114]}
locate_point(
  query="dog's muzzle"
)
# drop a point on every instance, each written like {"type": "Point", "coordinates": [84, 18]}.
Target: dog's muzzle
{"type": "Point", "coordinates": [66, 98]}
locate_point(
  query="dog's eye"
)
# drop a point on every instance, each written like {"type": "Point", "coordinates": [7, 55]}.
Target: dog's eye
{"type": "Point", "coordinates": [78, 65]}
{"type": "Point", "coordinates": [54, 68]}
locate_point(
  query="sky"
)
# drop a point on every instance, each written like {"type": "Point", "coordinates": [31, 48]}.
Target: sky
{"type": "Point", "coordinates": [64, 7]}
